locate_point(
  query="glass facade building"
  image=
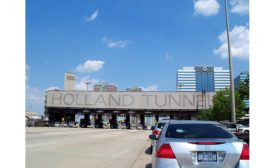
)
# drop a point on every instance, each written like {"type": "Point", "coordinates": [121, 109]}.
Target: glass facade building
{"type": "Point", "coordinates": [202, 79]}
{"type": "Point", "coordinates": [241, 78]}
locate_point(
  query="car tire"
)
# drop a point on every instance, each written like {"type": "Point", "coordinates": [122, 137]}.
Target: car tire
{"type": "Point", "coordinates": [246, 132]}
{"type": "Point", "coordinates": [151, 149]}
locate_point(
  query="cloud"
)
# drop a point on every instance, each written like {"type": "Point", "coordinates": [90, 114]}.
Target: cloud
{"type": "Point", "coordinates": [240, 6]}
{"type": "Point", "coordinates": [82, 83]}
{"type": "Point", "coordinates": [168, 57]}
{"type": "Point", "coordinates": [90, 66]}
{"type": "Point", "coordinates": [206, 7]}
{"type": "Point", "coordinates": [150, 88]}
{"type": "Point", "coordinates": [239, 40]}
{"type": "Point", "coordinates": [115, 44]}
{"type": "Point", "coordinates": [34, 97]}
{"type": "Point", "coordinates": [93, 16]}
{"type": "Point", "coordinates": [27, 72]}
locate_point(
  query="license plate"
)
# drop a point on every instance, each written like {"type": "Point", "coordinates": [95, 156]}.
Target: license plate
{"type": "Point", "coordinates": [207, 156]}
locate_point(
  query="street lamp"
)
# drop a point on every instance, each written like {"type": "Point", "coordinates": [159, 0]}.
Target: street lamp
{"type": "Point", "coordinates": [233, 111]}
{"type": "Point", "coordinates": [87, 84]}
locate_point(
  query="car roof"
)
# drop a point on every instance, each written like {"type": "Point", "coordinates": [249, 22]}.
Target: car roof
{"type": "Point", "coordinates": [192, 122]}
{"type": "Point", "coordinates": [164, 121]}
{"type": "Point", "coordinates": [227, 122]}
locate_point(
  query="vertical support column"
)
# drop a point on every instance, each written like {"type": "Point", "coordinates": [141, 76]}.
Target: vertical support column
{"type": "Point", "coordinates": [138, 118]}
{"type": "Point", "coordinates": [114, 121]}
{"type": "Point", "coordinates": [171, 116]}
{"type": "Point", "coordinates": [46, 114]}
{"type": "Point", "coordinates": [133, 121]}
{"type": "Point", "coordinates": [142, 120]}
{"type": "Point", "coordinates": [92, 119]}
{"type": "Point", "coordinates": [128, 125]}
{"type": "Point", "coordinates": [156, 119]}
{"type": "Point", "coordinates": [86, 120]}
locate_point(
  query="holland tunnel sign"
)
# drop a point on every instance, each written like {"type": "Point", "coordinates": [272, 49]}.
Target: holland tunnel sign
{"type": "Point", "coordinates": [129, 100]}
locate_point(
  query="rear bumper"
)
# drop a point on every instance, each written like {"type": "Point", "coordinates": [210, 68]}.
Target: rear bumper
{"type": "Point", "coordinates": [172, 163]}
{"type": "Point", "coordinates": [243, 164]}
{"type": "Point", "coordinates": [153, 142]}
{"type": "Point", "coordinates": [165, 163]}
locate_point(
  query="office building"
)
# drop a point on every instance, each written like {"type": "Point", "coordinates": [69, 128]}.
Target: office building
{"type": "Point", "coordinates": [202, 79]}
{"type": "Point", "coordinates": [241, 78]}
{"type": "Point", "coordinates": [221, 78]}
{"type": "Point", "coordinates": [134, 89]}
{"type": "Point", "coordinates": [105, 87]}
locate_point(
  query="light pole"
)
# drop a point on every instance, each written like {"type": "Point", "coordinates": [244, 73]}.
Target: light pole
{"type": "Point", "coordinates": [87, 84]}
{"type": "Point", "coordinates": [233, 111]}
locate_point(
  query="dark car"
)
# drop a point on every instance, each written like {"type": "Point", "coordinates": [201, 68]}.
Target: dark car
{"type": "Point", "coordinates": [48, 124]}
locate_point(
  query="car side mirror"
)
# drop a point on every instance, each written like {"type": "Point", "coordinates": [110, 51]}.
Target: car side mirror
{"type": "Point", "coordinates": [152, 128]}
{"type": "Point", "coordinates": [153, 137]}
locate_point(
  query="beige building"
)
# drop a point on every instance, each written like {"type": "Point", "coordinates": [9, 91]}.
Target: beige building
{"type": "Point", "coordinates": [69, 81]}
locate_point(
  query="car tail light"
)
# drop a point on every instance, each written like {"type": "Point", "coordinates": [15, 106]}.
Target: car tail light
{"type": "Point", "coordinates": [206, 143]}
{"type": "Point", "coordinates": [155, 132]}
{"type": "Point", "coordinates": [245, 152]}
{"type": "Point", "coordinates": [165, 151]}
{"type": "Point", "coordinates": [237, 133]}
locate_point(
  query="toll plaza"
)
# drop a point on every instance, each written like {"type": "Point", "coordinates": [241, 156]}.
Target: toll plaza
{"type": "Point", "coordinates": [123, 109]}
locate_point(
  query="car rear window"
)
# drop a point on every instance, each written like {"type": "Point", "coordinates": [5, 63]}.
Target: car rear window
{"type": "Point", "coordinates": [197, 131]}
{"type": "Point", "coordinates": [160, 125]}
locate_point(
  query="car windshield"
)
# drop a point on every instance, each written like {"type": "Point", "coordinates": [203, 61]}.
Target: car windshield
{"type": "Point", "coordinates": [160, 125]}
{"type": "Point", "coordinates": [197, 131]}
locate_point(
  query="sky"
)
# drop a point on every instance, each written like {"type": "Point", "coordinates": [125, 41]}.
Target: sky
{"type": "Point", "coordinates": [128, 43]}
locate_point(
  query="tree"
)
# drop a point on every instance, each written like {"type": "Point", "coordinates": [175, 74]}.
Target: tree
{"type": "Point", "coordinates": [205, 115]}
{"type": "Point", "coordinates": [222, 105]}
{"type": "Point", "coordinates": [244, 89]}
{"type": "Point", "coordinates": [221, 109]}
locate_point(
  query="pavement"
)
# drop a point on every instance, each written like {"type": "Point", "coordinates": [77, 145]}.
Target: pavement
{"type": "Point", "coordinates": [87, 147]}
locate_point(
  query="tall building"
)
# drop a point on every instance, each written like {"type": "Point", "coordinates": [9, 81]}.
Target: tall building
{"type": "Point", "coordinates": [221, 78]}
{"type": "Point", "coordinates": [202, 79]}
{"type": "Point", "coordinates": [241, 78]}
{"type": "Point", "coordinates": [186, 79]}
{"type": "Point", "coordinates": [105, 87]}
{"type": "Point", "coordinates": [69, 81]}
{"type": "Point", "coordinates": [134, 89]}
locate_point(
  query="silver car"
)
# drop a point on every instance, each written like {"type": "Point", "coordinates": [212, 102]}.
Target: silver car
{"type": "Point", "coordinates": [198, 144]}
{"type": "Point", "coordinates": [157, 130]}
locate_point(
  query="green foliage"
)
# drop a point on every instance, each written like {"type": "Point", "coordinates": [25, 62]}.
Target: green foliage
{"type": "Point", "coordinates": [205, 115]}
{"type": "Point", "coordinates": [221, 109]}
{"type": "Point", "coordinates": [244, 89]}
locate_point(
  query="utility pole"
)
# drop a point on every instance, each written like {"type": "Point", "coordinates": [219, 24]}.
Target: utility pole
{"type": "Point", "coordinates": [233, 111]}
{"type": "Point", "coordinates": [87, 84]}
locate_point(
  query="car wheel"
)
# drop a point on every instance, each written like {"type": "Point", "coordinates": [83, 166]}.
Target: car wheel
{"type": "Point", "coordinates": [246, 132]}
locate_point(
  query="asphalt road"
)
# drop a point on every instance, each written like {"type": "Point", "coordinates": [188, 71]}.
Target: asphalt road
{"type": "Point", "coordinates": [86, 147]}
